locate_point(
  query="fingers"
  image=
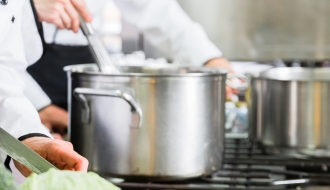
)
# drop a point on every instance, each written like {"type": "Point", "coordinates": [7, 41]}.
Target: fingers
{"type": "Point", "coordinates": [54, 18]}
{"type": "Point", "coordinates": [61, 18]}
{"type": "Point", "coordinates": [66, 19]}
{"type": "Point", "coordinates": [66, 144]}
{"type": "Point", "coordinates": [73, 14]}
{"type": "Point", "coordinates": [24, 170]}
{"type": "Point", "coordinates": [63, 13]}
{"type": "Point", "coordinates": [72, 10]}
{"type": "Point", "coordinates": [60, 152]}
{"type": "Point", "coordinates": [81, 7]}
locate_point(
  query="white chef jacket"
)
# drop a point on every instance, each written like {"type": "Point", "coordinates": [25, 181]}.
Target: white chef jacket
{"type": "Point", "coordinates": [164, 24]}
{"type": "Point", "coordinates": [17, 114]}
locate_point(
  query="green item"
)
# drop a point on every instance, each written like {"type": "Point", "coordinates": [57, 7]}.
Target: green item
{"type": "Point", "coordinates": [66, 180]}
{"type": "Point", "coordinates": [6, 179]}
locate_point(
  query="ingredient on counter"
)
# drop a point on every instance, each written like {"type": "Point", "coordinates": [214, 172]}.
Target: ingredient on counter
{"type": "Point", "coordinates": [6, 179]}
{"type": "Point", "coordinates": [66, 180]}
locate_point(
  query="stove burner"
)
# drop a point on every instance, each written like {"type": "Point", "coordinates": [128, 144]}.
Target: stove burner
{"type": "Point", "coordinates": [248, 166]}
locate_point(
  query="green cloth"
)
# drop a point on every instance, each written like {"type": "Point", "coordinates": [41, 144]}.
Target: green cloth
{"type": "Point", "coordinates": [66, 180]}
{"type": "Point", "coordinates": [6, 179]}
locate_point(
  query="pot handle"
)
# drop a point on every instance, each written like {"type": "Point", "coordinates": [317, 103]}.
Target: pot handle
{"type": "Point", "coordinates": [135, 108]}
{"type": "Point", "coordinates": [242, 86]}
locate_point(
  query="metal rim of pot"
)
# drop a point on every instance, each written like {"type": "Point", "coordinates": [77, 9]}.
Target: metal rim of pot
{"type": "Point", "coordinates": [296, 74]}
{"type": "Point", "coordinates": [209, 71]}
{"type": "Point", "coordinates": [212, 72]}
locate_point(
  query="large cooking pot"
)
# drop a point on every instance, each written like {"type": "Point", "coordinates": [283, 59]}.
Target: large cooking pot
{"type": "Point", "coordinates": [296, 111]}
{"type": "Point", "coordinates": [161, 122]}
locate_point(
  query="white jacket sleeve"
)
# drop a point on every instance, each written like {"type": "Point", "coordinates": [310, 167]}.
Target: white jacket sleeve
{"type": "Point", "coordinates": [169, 29]}
{"type": "Point", "coordinates": [17, 114]}
{"type": "Point", "coordinates": [34, 92]}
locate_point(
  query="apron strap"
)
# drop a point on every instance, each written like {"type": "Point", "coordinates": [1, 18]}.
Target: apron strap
{"type": "Point", "coordinates": [54, 36]}
{"type": "Point", "coordinates": [39, 27]}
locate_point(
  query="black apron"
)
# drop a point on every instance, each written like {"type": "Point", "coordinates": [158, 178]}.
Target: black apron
{"type": "Point", "coordinates": [49, 73]}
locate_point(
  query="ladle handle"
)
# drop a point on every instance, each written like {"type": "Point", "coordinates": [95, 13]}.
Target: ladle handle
{"type": "Point", "coordinates": [86, 27]}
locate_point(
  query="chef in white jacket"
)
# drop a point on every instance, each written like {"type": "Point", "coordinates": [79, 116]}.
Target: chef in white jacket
{"type": "Point", "coordinates": [163, 22]}
{"type": "Point", "coordinates": [17, 115]}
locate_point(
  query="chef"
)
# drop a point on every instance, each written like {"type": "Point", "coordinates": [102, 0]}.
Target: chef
{"type": "Point", "coordinates": [18, 29]}
{"type": "Point", "coordinates": [163, 22]}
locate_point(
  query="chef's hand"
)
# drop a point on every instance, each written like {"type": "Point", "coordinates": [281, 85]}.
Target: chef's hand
{"type": "Point", "coordinates": [223, 63]}
{"type": "Point", "coordinates": [220, 62]}
{"type": "Point", "coordinates": [59, 153]}
{"type": "Point", "coordinates": [63, 13]}
{"type": "Point", "coordinates": [54, 118]}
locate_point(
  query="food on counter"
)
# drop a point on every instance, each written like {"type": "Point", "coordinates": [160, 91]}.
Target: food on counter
{"type": "Point", "coordinates": [6, 179]}
{"type": "Point", "coordinates": [66, 180]}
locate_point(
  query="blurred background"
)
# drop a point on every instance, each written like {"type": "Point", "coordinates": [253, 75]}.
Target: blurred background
{"type": "Point", "coordinates": [265, 29]}
{"type": "Point", "coordinates": [250, 30]}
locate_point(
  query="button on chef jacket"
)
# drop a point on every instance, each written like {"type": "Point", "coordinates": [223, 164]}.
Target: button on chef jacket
{"type": "Point", "coordinates": [163, 22]}
{"type": "Point", "coordinates": [17, 30]}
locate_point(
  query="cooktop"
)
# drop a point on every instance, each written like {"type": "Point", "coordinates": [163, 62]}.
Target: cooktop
{"type": "Point", "coordinates": [249, 166]}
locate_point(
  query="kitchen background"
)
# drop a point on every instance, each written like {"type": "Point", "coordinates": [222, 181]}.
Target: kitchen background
{"type": "Point", "coordinates": [265, 29]}
{"type": "Point", "coordinates": [258, 30]}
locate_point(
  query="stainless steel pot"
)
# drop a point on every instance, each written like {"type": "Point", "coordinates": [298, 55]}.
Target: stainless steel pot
{"type": "Point", "coordinates": [162, 122]}
{"type": "Point", "coordinates": [296, 111]}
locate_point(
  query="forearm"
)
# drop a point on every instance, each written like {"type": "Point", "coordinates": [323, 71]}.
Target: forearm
{"type": "Point", "coordinates": [52, 117]}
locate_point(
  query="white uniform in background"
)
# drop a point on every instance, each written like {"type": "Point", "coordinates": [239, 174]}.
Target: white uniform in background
{"type": "Point", "coordinates": [17, 30]}
{"type": "Point", "coordinates": [164, 24]}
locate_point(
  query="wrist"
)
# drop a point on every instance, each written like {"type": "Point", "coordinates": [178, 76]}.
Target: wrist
{"type": "Point", "coordinates": [32, 135]}
{"type": "Point", "coordinates": [44, 107]}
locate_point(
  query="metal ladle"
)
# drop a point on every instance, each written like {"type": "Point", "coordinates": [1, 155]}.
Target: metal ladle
{"type": "Point", "coordinates": [100, 54]}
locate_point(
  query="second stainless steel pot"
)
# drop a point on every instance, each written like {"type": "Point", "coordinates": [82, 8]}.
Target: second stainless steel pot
{"type": "Point", "coordinates": [155, 122]}
{"type": "Point", "coordinates": [296, 110]}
